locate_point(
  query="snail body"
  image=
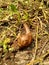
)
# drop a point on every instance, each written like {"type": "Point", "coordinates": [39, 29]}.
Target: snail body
{"type": "Point", "coordinates": [25, 39]}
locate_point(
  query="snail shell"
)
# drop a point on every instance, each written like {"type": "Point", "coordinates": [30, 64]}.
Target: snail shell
{"type": "Point", "coordinates": [23, 40]}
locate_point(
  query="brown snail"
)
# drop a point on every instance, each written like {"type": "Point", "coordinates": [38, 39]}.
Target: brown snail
{"type": "Point", "coordinates": [23, 40]}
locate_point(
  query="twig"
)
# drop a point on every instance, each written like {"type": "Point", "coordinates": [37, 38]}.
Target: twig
{"type": "Point", "coordinates": [40, 22]}
{"type": "Point", "coordinates": [39, 59]}
{"type": "Point", "coordinates": [43, 46]}
{"type": "Point", "coordinates": [32, 61]}
{"type": "Point", "coordinates": [11, 30]}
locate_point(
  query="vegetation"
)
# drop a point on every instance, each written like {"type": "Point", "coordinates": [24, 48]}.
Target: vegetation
{"type": "Point", "coordinates": [14, 14]}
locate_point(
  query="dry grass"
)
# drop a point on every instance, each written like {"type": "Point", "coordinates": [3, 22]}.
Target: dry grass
{"type": "Point", "coordinates": [36, 14]}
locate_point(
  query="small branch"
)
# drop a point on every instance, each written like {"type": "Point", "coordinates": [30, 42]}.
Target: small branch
{"type": "Point", "coordinates": [33, 60]}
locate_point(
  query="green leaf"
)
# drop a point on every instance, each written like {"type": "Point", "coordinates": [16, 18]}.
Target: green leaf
{"type": "Point", "coordinates": [7, 40]}
{"type": "Point", "coordinates": [1, 43]}
{"type": "Point", "coordinates": [13, 7]}
{"type": "Point", "coordinates": [1, 10]}
{"type": "Point", "coordinates": [26, 15]}
{"type": "Point", "coordinates": [5, 47]}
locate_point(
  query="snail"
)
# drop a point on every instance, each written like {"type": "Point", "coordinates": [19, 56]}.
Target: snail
{"type": "Point", "coordinates": [23, 40]}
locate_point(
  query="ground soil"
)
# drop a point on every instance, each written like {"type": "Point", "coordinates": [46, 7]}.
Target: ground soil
{"type": "Point", "coordinates": [36, 14]}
